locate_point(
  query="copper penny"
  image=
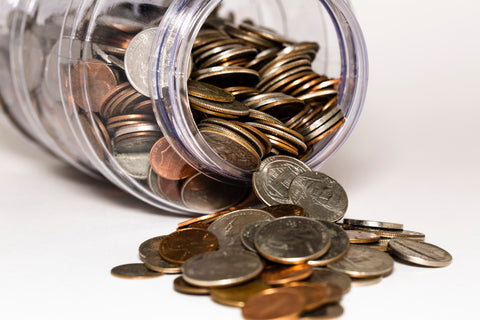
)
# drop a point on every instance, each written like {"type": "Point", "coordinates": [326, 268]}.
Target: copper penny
{"type": "Point", "coordinates": [277, 274]}
{"type": "Point", "coordinates": [206, 217]}
{"type": "Point", "coordinates": [134, 271]}
{"type": "Point", "coordinates": [357, 236]}
{"type": "Point", "coordinates": [186, 243]}
{"type": "Point", "coordinates": [315, 294]}
{"type": "Point", "coordinates": [274, 304]}
{"type": "Point", "coordinates": [237, 295]}
{"type": "Point", "coordinates": [329, 311]}
{"type": "Point", "coordinates": [283, 210]}
{"type": "Point", "coordinates": [166, 162]}
{"type": "Point", "coordinates": [170, 188]}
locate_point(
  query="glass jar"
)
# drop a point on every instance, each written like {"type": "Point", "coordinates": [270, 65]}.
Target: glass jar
{"type": "Point", "coordinates": [59, 61]}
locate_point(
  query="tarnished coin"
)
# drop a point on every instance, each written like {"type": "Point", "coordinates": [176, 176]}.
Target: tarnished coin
{"type": "Point", "coordinates": [274, 303]}
{"type": "Point", "coordinates": [149, 246]}
{"type": "Point", "coordinates": [373, 224]}
{"type": "Point", "coordinates": [421, 253]}
{"type": "Point", "coordinates": [237, 295]}
{"type": "Point", "coordinates": [365, 282]}
{"type": "Point", "coordinates": [284, 210]}
{"type": "Point", "coordinates": [180, 285]}
{"type": "Point", "coordinates": [292, 240]}
{"type": "Point", "coordinates": [207, 91]}
{"type": "Point", "coordinates": [339, 247]}
{"type": "Point", "coordinates": [227, 76]}
{"type": "Point", "coordinates": [234, 108]}
{"type": "Point", "coordinates": [222, 268]}
{"type": "Point", "coordinates": [186, 243]}
{"type": "Point", "coordinates": [315, 294]}
{"type": "Point", "coordinates": [154, 261]}
{"type": "Point", "coordinates": [329, 311]}
{"type": "Point", "coordinates": [206, 218]}
{"type": "Point", "coordinates": [357, 236]}
{"type": "Point", "coordinates": [166, 162]}
{"type": "Point", "coordinates": [272, 181]}
{"type": "Point", "coordinates": [228, 228]}
{"type": "Point", "coordinates": [322, 197]}
{"type": "Point", "coordinates": [363, 262]}
{"type": "Point", "coordinates": [387, 233]}
{"type": "Point", "coordinates": [279, 274]}
{"type": "Point", "coordinates": [133, 271]}
{"type": "Point", "coordinates": [204, 194]}
{"type": "Point", "coordinates": [334, 278]}
{"type": "Point", "coordinates": [247, 235]}
{"type": "Point", "coordinates": [136, 165]}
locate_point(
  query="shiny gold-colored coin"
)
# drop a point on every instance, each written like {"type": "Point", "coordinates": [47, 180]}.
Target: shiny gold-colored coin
{"type": "Point", "coordinates": [185, 243]}
{"type": "Point", "coordinates": [277, 274]}
{"type": "Point", "coordinates": [237, 295]}
{"type": "Point", "coordinates": [134, 271]}
{"type": "Point", "coordinates": [208, 92]}
{"type": "Point", "coordinates": [207, 218]}
{"type": "Point", "coordinates": [274, 303]}
{"type": "Point", "coordinates": [180, 285]}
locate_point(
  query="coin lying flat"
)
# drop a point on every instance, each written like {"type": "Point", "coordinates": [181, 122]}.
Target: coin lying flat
{"type": "Point", "coordinates": [284, 210]}
{"type": "Point", "coordinates": [340, 243]}
{"type": "Point", "coordinates": [247, 235]}
{"type": "Point", "coordinates": [421, 253]}
{"type": "Point", "coordinates": [334, 278]}
{"type": "Point", "coordinates": [155, 262]}
{"type": "Point", "coordinates": [228, 228]}
{"type": "Point", "coordinates": [274, 303]}
{"type": "Point", "coordinates": [387, 233]}
{"type": "Point", "coordinates": [315, 294]}
{"type": "Point", "coordinates": [278, 274]}
{"type": "Point", "coordinates": [180, 285]}
{"type": "Point", "coordinates": [329, 311]}
{"type": "Point", "coordinates": [237, 295]}
{"type": "Point", "coordinates": [322, 197]}
{"type": "Point", "coordinates": [373, 224]}
{"type": "Point", "coordinates": [149, 246]}
{"type": "Point", "coordinates": [134, 271]}
{"type": "Point", "coordinates": [363, 262]}
{"type": "Point", "coordinates": [272, 180]}
{"type": "Point", "coordinates": [207, 91]}
{"type": "Point", "coordinates": [357, 236]}
{"type": "Point", "coordinates": [221, 268]}
{"type": "Point", "coordinates": [292, 240]}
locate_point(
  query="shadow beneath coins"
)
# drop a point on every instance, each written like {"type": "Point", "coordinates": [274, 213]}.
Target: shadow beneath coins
{"type": "Point", "coordinates": [411, 264]}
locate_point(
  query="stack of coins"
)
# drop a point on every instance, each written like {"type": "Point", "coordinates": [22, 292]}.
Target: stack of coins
{"type": "Point", "coordinates": [292, 255]}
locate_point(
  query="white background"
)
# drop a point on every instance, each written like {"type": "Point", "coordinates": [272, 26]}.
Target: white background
{"type": "Point", "coordinates": [413, 158]}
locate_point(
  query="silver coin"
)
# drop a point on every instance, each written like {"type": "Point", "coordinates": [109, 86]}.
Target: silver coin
{"type": "Point", "coordinates": [205, 194]}
{"type": "Point", "coordinates": [135, 164]}
{"type": "Point", "coordinates": [421, 253]}
{"type": "Point", "coordinates": [322, 197]}
{"type": "Point", "coordinates": [140, 128]}
{"type": "Point", "coordinates": [272, 181]}
{"type": "Point", "coordinates": [247, 236]}
{"type": "Point", "coordinates": [363, 262]}
{"type": "Point", "coordinates": [373, 224]}
{"type": "Point", "coordinates": [365, 282]}
{"type": "Point", "coordinates": [325, 126]}
{"type": "Point", "coordinates": [136, 144]}
{"type": "Point", "coordinates": [292, 240]}
{"type": "Point", "coordinates": [324, 275]}
{"type": "Point", "coordinates": [228, 227]}
{"type": "Point", "coordinates": [149, 246]}
{"type": "Point", "coordinates": [338, 248]}
{"type": "Point", "coordinates": [221, 268]}
{"type": "Point", "coordinates": [388, 233]}
{"type": "Point", "coordinates": [137, 58]}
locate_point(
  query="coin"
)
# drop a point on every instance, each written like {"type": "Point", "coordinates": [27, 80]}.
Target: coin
{"type": "Point", "coordinates": [186, 243]}
{"type": "Point", "coordinates": [180, 285]}
{"type": "Point", "coordinates": [284, 210]}
{"type": "Point", "coordinates": [149, 246]}
{"type": "Point", "coordinates": [388, 233]}
{"type": "Point", "coordinates": [228, 227]}
{"type": "Point", "coordinates": [292, 240]}
{"type": "Point", "coordinates": [205, 194]}
{"type": "Point", "coordinates": [272, 180]}
{"type": "Point", "coordinates": [167, 163]}
{"type": "Point", "coordinates": [237, 295]}
{"type": "Point", "coordinates": [221, 268]}
{"type": "Point", "coordinates": [363, 262]}
{"type": "Point", "coordinates": [207, 218]}
{"type": "Point", "coordinates": [274, 303]}
{"type": "Point", "coordinates": [155, 262]}
{"type": "Point", "coordinates": [329, 311]}
{"type": "Point", "coordinates": [338, 248]}
{"type": "Point", "coordinates": [314, 294]}
{"type": "Point", "coordinates": [420, 253]}
{"type": "Point", "coordinates": [365, 282]}
{"type": "Point", "coordinates": [207, 91]}
{"type": "Point", "coordinates": [333, 278]}
{"type": "Point", "coordinates": [224, 77]}
{"type": "Point", "coordinates": [279, 274]}
{"type": "Point", "coordinates": [234, 108]}
{"type": "Point", "coordinates": [357, 236]}
{"type": "Point", "coordinates": [322, 197]}
{"type": "Point", "coordinates": [134, 164]}
{"type": "Point", "coordinates": [133, 271]}
{"type": "Point", "coordinates": [136, 60]}
{"type": "Point", "coordinates": [247, 235]}
{"type": "Point", "coordinates": [373, 224]}
{"type": "Point", "coordinates": [170, 189]}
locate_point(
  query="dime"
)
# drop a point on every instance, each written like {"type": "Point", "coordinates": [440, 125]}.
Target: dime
{"type": "Point", "coordinates": [330, 277]}
{"type": "Point", "coordinates": [314, 294]}
{"type": "Point", "coordinates": [205, 194]}
{"type": "Point", "coordinates": [237, 295]}
{"type": "Point", "coordinates": [247, 236]}
{"type": "Point", "coordinates": [292, 240]}
{"type": "Point", "coordinates": [209, 92]}
{"type": "Point", "coordinates": [136, 60]}
{"type": "Point", "coordinates": [135, 164]}
{"type": "Point", "coordinates": [284, 210]}
{"type": "Point", "coordinates": [421, 253]}
{"type": "Point", "coordinates": [279, 274]}
{"type": "Point", "coordinates": [221, 268]}
{"type": "Point", "coordinates": [133, 271]}
{"type": "Point", "coordinates": [272, 181]}
{"type": "Point", "coordinates": [322, 197]}
{"type": "Point", "coordinates": [167, 163]}
{"type": "Point", "coordinates": [363, 262]}
{"type": "Point", "coordinates": [329, 311]}
{"type": "Point", "coordinates": [186, 243]}
{"type": "Point", "coordinates": [357, 236]}
{"type": "Point", "coordinates": [228, 227]}
{"type": "Point", "coordinates": [274, 303]}
{"type": "Point", "coordinates": [180, 285]}
{"type": "Point", "coordinates": [373, 224]}
{"type": "Point", "coordinates": [338, 248]}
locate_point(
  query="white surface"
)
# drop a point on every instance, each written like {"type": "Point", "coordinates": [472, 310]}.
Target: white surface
{"type": "Point", "coordinates": [413, 158]}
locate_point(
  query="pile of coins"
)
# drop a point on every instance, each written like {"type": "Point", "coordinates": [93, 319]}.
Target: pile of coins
{"type": "Point", "coordinates": [289, 260]}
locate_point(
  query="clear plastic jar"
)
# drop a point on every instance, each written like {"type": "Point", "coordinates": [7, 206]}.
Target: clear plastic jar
{"type": "Point", "coordinates": [47, 94]}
